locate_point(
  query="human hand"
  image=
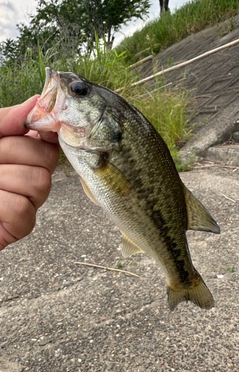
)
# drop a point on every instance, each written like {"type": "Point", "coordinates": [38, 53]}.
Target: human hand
{"type": "Point", "coordinates": [27, 161]}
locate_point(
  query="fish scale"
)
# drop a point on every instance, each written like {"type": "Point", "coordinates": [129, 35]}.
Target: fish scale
{"type": "Point", "coordinates": [126, 168]}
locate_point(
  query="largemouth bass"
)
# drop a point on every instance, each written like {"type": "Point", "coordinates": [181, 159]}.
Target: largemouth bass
{"type": "Point", "coordinates": [126, 168]}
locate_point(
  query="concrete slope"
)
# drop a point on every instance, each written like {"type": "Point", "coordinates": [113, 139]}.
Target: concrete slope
{"type": "Point", "coordinates": [214, 85]}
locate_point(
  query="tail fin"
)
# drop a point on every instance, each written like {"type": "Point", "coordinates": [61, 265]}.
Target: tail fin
{"type": "Point", "coordinates": [198, 294]}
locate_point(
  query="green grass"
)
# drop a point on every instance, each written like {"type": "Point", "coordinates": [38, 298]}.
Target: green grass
{"type": "Point", "coordinates": [119, 265]}
{"type": "Point", "coordinates": [19, 82]}
{"type": "Point", "coordinates": [165, 108]}
{"type": "Point", "coordinates": [231, 269]}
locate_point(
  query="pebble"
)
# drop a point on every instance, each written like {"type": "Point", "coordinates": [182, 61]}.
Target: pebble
{"type": "Point", "coordinates": [235, 136]}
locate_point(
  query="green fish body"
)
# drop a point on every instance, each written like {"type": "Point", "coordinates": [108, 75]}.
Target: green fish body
{"type": "Point", "coordinates": [125, 167]}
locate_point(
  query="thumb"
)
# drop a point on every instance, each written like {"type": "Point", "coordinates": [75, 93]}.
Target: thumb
{"type": "Point", "coordinates": [12, 118]}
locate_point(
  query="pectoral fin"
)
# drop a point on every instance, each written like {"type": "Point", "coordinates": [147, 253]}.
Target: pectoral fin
{"type": "Point", "coordinates": [198, 216]}
{"type": "Point", "coordinates": [88, 192]}
{"type": "Point", "coordinates": [128, 247]}
{"type": "Point", "coordinates": [113, 178]}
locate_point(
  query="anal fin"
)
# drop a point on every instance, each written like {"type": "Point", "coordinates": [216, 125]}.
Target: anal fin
{"type": "Point", "coordinates": [198, 217]}
{"type": "Point", "coordinates": [128, 247]}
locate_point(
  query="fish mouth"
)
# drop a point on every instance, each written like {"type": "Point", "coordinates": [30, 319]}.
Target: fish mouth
{"type": "Point", "coordinates": [49, 92]}
{"type": "Point", "coordinates": [44, 115]}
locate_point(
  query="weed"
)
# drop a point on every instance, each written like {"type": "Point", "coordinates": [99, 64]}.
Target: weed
{"type": "Point", "coordinates": [231, 25]}
{"type": "Point", "coordinates": [167, 110]}
{"type": "Point", "coordinates": [119, 265]}
{"type": "Point", "coordinates": [170, 62]}
{"type": "Point", "coordinates": [231, 269]}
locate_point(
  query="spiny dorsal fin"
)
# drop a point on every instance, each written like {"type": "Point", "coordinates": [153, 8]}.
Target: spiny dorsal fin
{"type": "Point", "coordinates": [88, 192]}
{"type": "Point", "coordinates": [198, 216]}
{"type": "Point", "coordinates": [128, 247]}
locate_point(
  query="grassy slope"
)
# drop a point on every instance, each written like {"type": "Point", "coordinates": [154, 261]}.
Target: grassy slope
{"type": "Point", "coordinates": [167, 110]}
{"type": "Point", "coordinates": [169, 29]}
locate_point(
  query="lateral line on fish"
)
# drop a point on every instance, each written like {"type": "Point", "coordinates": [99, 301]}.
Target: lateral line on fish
{"type": "Point", "coordinates": [106, 268]}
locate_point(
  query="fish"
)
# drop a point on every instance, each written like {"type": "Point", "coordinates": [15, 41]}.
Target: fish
{"type": "Point", "coordinates": [126, 168]}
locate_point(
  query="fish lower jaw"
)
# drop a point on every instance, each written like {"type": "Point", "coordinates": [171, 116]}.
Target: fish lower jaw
{"type": "Point", "coordinates": [45, 123]}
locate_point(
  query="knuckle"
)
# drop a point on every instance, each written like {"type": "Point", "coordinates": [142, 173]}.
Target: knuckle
{"type": "Point", "coordinates": [24, 209]}
{"type": "Point", "coordinates": [5, 148]}
{"type": "Point", "coordinates": [41, 181]}
{"type": "Point", "coordinates": [51, 154]}
{"type": "Point", "coordinates": [25, 215]}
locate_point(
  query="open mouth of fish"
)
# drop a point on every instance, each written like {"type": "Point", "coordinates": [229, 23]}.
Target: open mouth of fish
{"type": "Point", "coordinates": [46, 115]}
{"type": "Point", "coordinates": [52, 100]}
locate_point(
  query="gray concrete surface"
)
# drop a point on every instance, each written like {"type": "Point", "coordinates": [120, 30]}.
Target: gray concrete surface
{"type": "Point", "coordinates": [57, 315]}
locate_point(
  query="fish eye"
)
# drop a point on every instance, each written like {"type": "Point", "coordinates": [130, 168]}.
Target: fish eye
{"type": "Point", "coordinates": [79, 88]}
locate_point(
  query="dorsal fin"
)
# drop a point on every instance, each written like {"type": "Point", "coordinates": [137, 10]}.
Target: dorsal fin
{"type": "Point", "coordinates": [128, 247]}
{"type": "Point", "coordinates": [198, 216]}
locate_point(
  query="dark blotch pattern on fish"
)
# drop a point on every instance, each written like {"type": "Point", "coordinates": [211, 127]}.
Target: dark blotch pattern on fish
{"type": "Point", "coordinates": [171, 244]}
